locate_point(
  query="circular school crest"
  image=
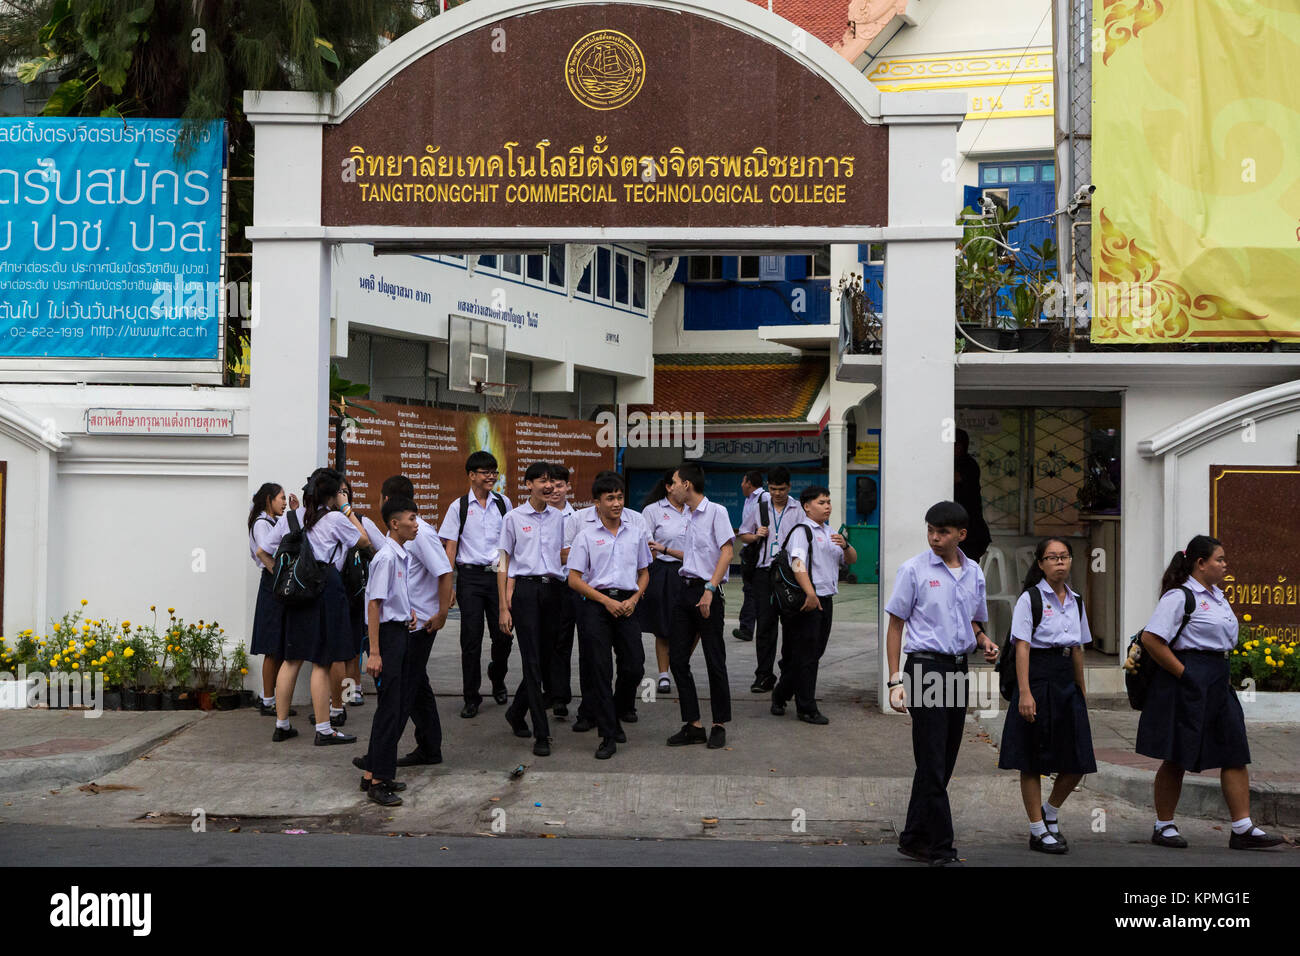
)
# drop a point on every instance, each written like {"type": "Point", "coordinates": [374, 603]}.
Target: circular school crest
{"type": "Point", "coordinates": [605, 70]}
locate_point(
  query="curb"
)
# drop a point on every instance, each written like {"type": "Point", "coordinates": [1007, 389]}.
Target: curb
{"type": "Point", "coordinates": [61, 770]}
{"type": "Point", "coordinates": [1270, 804]}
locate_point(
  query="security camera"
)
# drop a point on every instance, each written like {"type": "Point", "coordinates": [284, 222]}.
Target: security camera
{"type": "Point", "coordinates": [1084, 192]}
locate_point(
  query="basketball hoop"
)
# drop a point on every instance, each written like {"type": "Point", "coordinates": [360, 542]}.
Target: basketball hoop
{"type": "Point", "coordinates": [500, 396]}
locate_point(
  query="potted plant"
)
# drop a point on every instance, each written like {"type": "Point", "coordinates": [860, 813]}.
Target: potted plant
{"type": "Point", "coordinates": [203, 649]}
{"type": "Point", "coordinates": [234, 669]}
{"type": "Point", "coordinates": [981, 258]}
{"type": "Point", "coordinates": [1027, 297]}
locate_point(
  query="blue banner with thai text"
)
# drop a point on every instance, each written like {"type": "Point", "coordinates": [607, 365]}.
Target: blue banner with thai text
{"type": "Point", "coordinates": [110, 242]}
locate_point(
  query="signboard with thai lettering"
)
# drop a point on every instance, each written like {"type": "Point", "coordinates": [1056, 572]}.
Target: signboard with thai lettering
{"type": "Point", "coordinates": [1254, 511]}
{"type": "Point", "coordinates": [610, 115]}
{"type": "Point", "coordinates": [430, 445]}
{"type": "Point", "coordinates": [187, 422]}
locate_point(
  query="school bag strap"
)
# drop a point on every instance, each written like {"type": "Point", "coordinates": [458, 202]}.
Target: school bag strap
{"type": "Point", "coordinates": [294, 527]}
{"type": "Point", "coordinates": [785, 545]}
{"type": "Point", "coordinates": [464, 510]}
{"type": "Point", "coordinates": [763, 514]}
{"type": "Point", "coordinates": [1189, 606]}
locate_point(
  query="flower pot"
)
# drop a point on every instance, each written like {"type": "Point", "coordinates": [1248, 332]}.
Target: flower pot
{"type": "Point", "coordinates": [226, 700]}
{"type": "Point", "coordinates": [246, 698]}
{"type": "Point", "coordinates": [993, 338]}
{"type": "Point", "coordinates": [205, 698]}
{"type": "Point", "coordinates": [150, 700]}
{"type": "Point", "coordinates": [183, 700]}
{"type": "Point", "coordinates": [1038, 339]}
{"type": "Point", "coordinates": [112, 700]}
{"type": "Point", "coordinates": [130, 699]}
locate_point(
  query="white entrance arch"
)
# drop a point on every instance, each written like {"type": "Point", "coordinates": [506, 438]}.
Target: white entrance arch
{"type": "Point", "coordinates": [296, 217]}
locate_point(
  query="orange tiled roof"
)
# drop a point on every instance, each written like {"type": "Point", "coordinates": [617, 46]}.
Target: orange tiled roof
{"type": "Point", "coordinates": [825, 19]}
{"type": "Point", "coordinates": [739, 389]}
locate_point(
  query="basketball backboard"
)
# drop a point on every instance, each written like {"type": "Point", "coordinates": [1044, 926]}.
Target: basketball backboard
{"type": "Point", "coordinates": [476, 352]}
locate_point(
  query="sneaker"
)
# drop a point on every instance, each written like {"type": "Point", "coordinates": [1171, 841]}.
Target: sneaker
{"type": "Point", "coordinates": [717, 737]}
{"type": "Point", "coordinates": [762, 685]}
{"type": "Point", "coordinates": [816, 717]}
{"type": "Point", "coordinates": [520, 727]}
{"type": "Point", "coordinates": [1055, 848]}
{"type": "Point", "coordinates": [606, 749]}
{"type": "Point", "coordinates": [283, 733]}
{"type": "Point", "coordinates": [689, 734]}
{"type": "Point", "coordinates": [1245, 841]}
{"type": "Point", "coordinates": [330, 740]}
{"type": "Point", "coordinates": [740, 635]}
{"type": "Point", "coordinates": [381, 792]}
{"type": "Point", "coordinates": [1176, 841]}
{"type": "Point", "coordinates": [582, 725]}
{"type": "Point", "coordinates": [542, 748]}
{"type": "Point", "coordinates": [395, 785]}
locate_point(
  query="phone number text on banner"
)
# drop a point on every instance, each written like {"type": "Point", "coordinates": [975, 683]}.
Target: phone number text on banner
{"type": "Point", "coordinates": [110, 245]}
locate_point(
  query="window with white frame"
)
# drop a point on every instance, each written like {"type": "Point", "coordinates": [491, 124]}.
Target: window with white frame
{"type": "Point", "coordinates": [704, 269]}
{"type": "Point", "coordinates": [818, 265]}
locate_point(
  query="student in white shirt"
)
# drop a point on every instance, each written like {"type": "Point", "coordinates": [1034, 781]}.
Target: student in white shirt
{"type": "Point", "coordinates": [350, 672]}
{"type": "Point", "coordinates": [609, 567]}
{"type": "Point", "coordinates": [557, 661]}
{"type": "Point", "coordinates": [706, 559]}
{"type": "Point", "coordinates": [665, 523]}
{"type": "Point", "coordinates": [1192, 719]}
{"type": "Point", "coordinates": [471, 545]}
{"type": "Point", "coordinates": [1046, 730]}
{"type": "Point", "coordinates": [783, 513]}
{"type": "Point", "coordinates": [528, 590]}
{"type": "Point", "coordinates": [389, 621]}
{"type": "Point", "coordinates": [939, 598]}
{"type": "Point", "coordinates": [751, 486]}
{"type": "Point", "coordinates": [268, 617]}
{"type": "Point", "coordinates": [816, 556]}
{"type": "Point", "coordinates": [320, 630]}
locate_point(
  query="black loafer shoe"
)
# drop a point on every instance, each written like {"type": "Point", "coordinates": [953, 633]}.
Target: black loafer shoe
{"type": "Point", "coordinates": [283, 733]}
{"type": "Point", "coordinates": [1159, 838]}
{"type": "Point", "coordinates": [560, 710]}
{"type": "Point", "coordinates": [395, 785]}
{"type": "Point", "coordinates": [338, 720]}
{"type": "Point", "coordinates": [916, 855]}
{"type": "Point", "coordinates": [665, 686]}
{"type": "Point", "coordinates": [689, 734]}
{"type": "Point", "coordinates": [1055, 849]}
{"type": "Point", "coordinates": [520, 728]}
{"type": "Point", "coordinates": [816, 717]}
{"type": "Point", "coordinates": [500, 696]}
{"type": "Point", "coordinates": [383, 795]}
{"type": "Point", "coordinates": [360, 762]}
{"type": "Point", "coordinates": [331, 740]}
{"type": "Point", "coordinates": [740, 635]}
{"type": "Point", "coordinates": [778, 706]}
{"type": "Point", "coordinates": [606, 749]}
{"type": "Point", "coordinates": [619, 736]}
{"type": "Point", "coordinates": [266, 711]}
{"type": "Point", "coordinates": [762, 685]}
{"type": "Point", "coordinates": [417, 758]}
{"type": "Point", "coordinates": [582, 725]}
{"type": "Point", "coordinates": [542, 748]}
{"type": "Point", "coordinates": [943, 860]}
{"type": "Point", "coordinates": [470, 710]}
{"type": "Point", "coordinates": [717, 737]}
{"type": "Point", "coordinates": [628, 718]}
{"type": "Point", "coordinates": [1055, 830]}
{"type": "Point", "coordinates": [1244, 841]}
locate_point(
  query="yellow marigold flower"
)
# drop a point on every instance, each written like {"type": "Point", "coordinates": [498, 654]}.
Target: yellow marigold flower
{"type": "Point", "coordinates": [76, 666]}
{"type": "Point", "coordinates": [109, 655]}
{"type": "Point", "coordinates": [1234, 653]}
{"type": "Point", "coordinates": [171, 610]}
{"type": "Point", "coordinates": [129, 652]}
{"type": "Point", "coordinates": [243, 670]}
{"type": "Point", "coordinates": [90, 643]}
{"type": "Point", "coordinates": [41, 642]}
{"type": "Point", "coordinates": [152, 607]}
{"type": "Point", "coordinates": [125, 625]}
{"type": "Point", "coordinates": [27, 633]}
{"type": "Point", "coordinates": [84, 602]}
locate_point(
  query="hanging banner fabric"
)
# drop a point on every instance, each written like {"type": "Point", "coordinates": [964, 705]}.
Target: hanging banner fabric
{"type": "Point", "coordinates": [1196, 160]}
{"type": "Point", "coordinates": [110, 246]}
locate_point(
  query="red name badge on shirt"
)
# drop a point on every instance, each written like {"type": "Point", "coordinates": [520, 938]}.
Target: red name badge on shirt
{"type": "Point", "coordinates": [1205, 605]}
{"type": "Point", "coordinates": [528, 527]}
{"type": "Point", "coordinates": [935, 584]}
{"type": "Point", "coordinates": [1047, 612]}
{"type": "Point", "coordinates": [600, 542]}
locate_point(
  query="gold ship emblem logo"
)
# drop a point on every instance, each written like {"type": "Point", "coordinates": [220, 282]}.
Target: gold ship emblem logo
{"type": "Point", "coordinates": [605, 70]}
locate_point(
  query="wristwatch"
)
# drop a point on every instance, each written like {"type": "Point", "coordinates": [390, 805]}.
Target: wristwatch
{"type": "Point", "coordinates": [710, 586]}
{"type": "Point", "coordinates": [893, 683]}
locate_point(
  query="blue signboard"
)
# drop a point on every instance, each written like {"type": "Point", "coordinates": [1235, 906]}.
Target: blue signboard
{"type": "Point", "coordinates": [110, 246]}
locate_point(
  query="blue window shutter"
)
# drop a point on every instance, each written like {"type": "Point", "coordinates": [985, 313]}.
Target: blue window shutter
{"type": "Point", "coordinates": [971, 197]}
{"type": "Point", "coordinates": [771, 268]}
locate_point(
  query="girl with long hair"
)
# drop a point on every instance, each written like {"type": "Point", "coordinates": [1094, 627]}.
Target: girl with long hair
{"type": "Point", "coordinates": [268, 618]}
{"type": "Point", "coordinates": [1047, 729]}
{"type": "Point", "coordinates": [1192, 719]}
{"type": "Point", "coordinates": [666, 527]}
{"type": "Point", "coordinates": [320, 630]}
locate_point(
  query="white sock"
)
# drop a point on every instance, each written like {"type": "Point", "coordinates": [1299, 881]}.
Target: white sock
{"type": "Point", "coordinates": [281, 724]}
{"type": "Point", "coordinates": [1049, 813]}
{"type": "Point", "coordinates": [269, 701]}
{"type": "Point", "coordinates": [1167, 823]}
{"type": "Point", "coordinates": [1039, 830]}
{"type": "Point", "coordinates": [1245, 826]}
{"type": "Point", "coordinates": [335, 711]}
{"type": "Point", "coordinates": [324, 728]}
{"type": "Point", "coordinates": [663, 675]}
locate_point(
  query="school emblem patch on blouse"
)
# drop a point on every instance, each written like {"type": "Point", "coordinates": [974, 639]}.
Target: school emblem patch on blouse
{"type": "Point", "coordinates": [605, 70]}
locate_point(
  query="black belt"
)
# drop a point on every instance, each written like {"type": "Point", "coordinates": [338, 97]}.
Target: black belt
{"type": "Point", "coordinates": [1053, 651]}
{"type": "Point", "coordinates": [957, 659]}
{"type": "Point", "coordinates": [538, 578]}
{"type": "Point", "coordinates": [692, 580]}
{"type": "Point", "coordinates": [1206, 653]}
{"type": "Point", "coordinates": [618, 594]}
{"type": "Point", "coordinates": [487, 568]}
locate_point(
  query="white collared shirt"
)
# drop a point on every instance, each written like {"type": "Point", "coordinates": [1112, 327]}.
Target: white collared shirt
{"type": "Point", "coordinates": [827, 556]}
{"type": "Point", "coordinates": [259, 537]}
{"type": "Point", "coordinates": [388, 582]}
{"type": "Point", "coordinates": [610, 559]}
{"type": "Point", "coordinates": [666, 525]}
{"type": "Point", "coordinates": [779, 526]}
{"type": "Point", "coordinates": [428, 563]}
{"type": "Point", "coordinates": [938, 603]}
{"type": "Point", "coordinates": [533, 540]}
{"type": "Point", "coordinates": [708, 528]}
{"type": "Point", "coordinates": [330, 537]}
{"type": "Point", "coordinates": [1063, 625]}
{"type": "Point", "coordinates": [1212, 626]}
{"type": "Point", "coordinates": [478, 542]}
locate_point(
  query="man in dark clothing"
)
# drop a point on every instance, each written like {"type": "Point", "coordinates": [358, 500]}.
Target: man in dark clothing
{"type": "Point", "coordinates": [966, 492]}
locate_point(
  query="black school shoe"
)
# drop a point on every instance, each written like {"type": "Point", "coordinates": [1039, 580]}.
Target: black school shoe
{"type": "Point", "coordinates": [417, 758]}
{"type": "Point", "coordinates": [500, 696]}
{"type": "Point", "coordinates": [762, 685]}
{"type": "Point", "coordinates": [395, 785]}
{"type": "Point", "coordinates": [816, 717]}
{"type": "Point", "coordinates": [619, 736]}
{"type": "Point", "coordinates": [629, 717]}
{"type": "Point", "coordinates": [283, 733]}
{"type": "Point", "coordinates": [606, 749]}
{"type": "Point", "coordinates": [542, 747]}
{"type": "Point", "coordinates": [520, 727]}
{"type": "Point", "coordinates": [689, 734]}
{"type": "Point", "coordinates": [916, 855]}
{"type": "Point", "coordinates": [382, 793]}
{"type": "Point", "coordinates": [266, 711]}
{"type": "Point", "coordinates": [1244, 841]}
{"type": "Point", "coordinates": [331, 740]}
{"type": "Point", "coordinates": [1159, 839]}
{"type": "Point", "coordinates": [778, 706]}
{"type": "Point", "coordinates": [717, 737]}
{"type": "Point", "coordinates": [582, 725]}
{"type": "Point", "coordinates": [944, 860]}
{"type": "Point", "coordinates": [1055, 849]}
{"type": "Point", "coordinates": [1054, 828]}
{"type": "Point", "coordinates": [561, 710]}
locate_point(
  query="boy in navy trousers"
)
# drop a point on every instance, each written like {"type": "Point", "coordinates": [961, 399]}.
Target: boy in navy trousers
{"type": "Point", "coordinates": [939, 596]}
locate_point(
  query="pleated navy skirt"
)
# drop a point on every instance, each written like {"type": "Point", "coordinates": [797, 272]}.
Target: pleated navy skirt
{"type": "Point", "coordinates": [321, 631]}
{"type": "Point", "coordinates": [1060, 738]}
{"type": "Point", "coordinates": [656, 608]}
{"type": "Point", "coordinates": [268, 621]}
{"type": "Point", "coordinates": [1195, 723]}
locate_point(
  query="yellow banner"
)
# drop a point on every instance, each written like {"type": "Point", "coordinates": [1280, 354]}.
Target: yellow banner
{"type": "Point", "coordinates": [1196, 159]}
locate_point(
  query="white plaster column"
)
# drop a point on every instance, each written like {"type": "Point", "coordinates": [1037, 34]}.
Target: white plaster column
{"type": "Point", "coordinates": [917, 364]}
{"type": "Point", "coordinates": [837, 472]}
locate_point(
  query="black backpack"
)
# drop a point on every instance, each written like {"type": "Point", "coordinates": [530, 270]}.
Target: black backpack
{"type": "Point", "coordinates": [298, 578]}
{"type": "Point", "coordinates": [1140, 667]}
{"type": "Point", "coordinates": [356, 572]}
{"type": "Point", "coordinates": [786, 592]}
{"type": "Point", "coordinates": [1006, 665]}
{"type": "Point", "coordinates": [464, 510]}
{"type": "Point", "coordinates": [751, 552]}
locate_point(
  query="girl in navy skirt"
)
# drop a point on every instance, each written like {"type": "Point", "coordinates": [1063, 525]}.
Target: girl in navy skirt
{"type": "Point", "coordinates": [319, 631]}
{"type": "Point", "coordinates": [268, 618]}
{"type": "Point", "coordinates": [1047, 730]}
{"type": "Point", "coordinates": [351, 668]}
{"type": "Point", "coordinates": [1192, 719]}
{"type": "Point", "coordinates": [666, 526]}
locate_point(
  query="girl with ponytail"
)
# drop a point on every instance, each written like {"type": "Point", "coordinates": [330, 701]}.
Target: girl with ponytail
{"type": "Point", "coordinates": [268, 617]}
{"type": "Point", "coordinates": [1192, 719]}
{"type": "Point", "coordinates": [1047, 729]}
{"type": "Point", "coordinates": [320, 630]}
